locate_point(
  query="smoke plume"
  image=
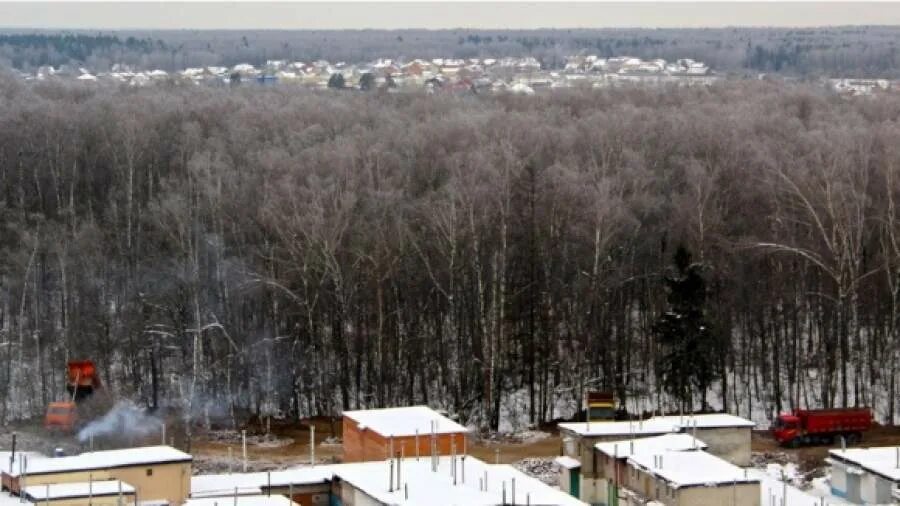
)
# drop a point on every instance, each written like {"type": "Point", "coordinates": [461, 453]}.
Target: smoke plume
{"type": "Point", "coordinates": [124, 419]}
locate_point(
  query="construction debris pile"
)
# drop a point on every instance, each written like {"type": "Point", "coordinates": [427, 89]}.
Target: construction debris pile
{"type": "Point", "coordinates": [543, 469]}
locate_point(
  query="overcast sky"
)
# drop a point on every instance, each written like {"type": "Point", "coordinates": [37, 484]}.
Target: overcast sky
{"type": "Point", "coordinates": [352, 15]}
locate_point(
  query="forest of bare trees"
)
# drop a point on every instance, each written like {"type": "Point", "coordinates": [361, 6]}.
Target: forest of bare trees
{"type": "Point", "coordinates": [285, 251]}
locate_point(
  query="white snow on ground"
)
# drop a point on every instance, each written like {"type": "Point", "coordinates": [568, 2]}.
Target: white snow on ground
{"type": "Point", "coordinates": [514, 412]}
{"type": "Point", "coordinates": [773, 491]}
{"type": "Point", "coordinates": [8, 500]}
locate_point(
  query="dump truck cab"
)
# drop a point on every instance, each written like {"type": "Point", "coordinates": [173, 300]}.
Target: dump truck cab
{"type": "Point", "coordinates": [61, 416]}
{"type": "Point", "coordinates": [786, 428]}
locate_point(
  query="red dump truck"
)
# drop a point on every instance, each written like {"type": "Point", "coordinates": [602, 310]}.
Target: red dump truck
{"type": "Point", "coordinates": [82, 380]}
{"type": "Point", "coordinates": [821, 426]}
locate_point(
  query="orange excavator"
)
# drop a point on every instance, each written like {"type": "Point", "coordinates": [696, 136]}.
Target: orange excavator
{"type": "Point", "coordinates": [82, 381]}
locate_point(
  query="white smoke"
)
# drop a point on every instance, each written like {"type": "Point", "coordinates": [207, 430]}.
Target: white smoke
{"type": "Point", "coordinates": [124, 419]}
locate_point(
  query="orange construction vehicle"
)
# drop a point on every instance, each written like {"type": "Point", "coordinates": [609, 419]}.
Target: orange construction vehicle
{"type": "Point", "coordinates": [82, 381]}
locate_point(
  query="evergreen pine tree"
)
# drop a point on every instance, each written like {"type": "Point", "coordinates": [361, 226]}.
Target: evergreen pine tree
{"type": "Point", "coordinates": [336, 81]}
{"type": "Point", "coordinates": [688, 344]}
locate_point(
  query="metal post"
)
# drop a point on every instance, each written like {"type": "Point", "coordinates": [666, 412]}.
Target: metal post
{"type": "Point", "coordinates": [497, 455]}
{"type": "Point", "coordinates": [47, 495]}
{"type": "Point", "coordinates": [417, 445]}
{"type": "Point", "coordinates": [163, 434]}
{"type": "Point", "coordinates": [312, 444]}
{"type": "Point", "coordinates": [230, 459]}
{"type": "Point", "coordinates": [391, 477]}
{"type": "Point", "coordinates": [462, 466]}
{"type": "Point", "coordinates": [513, 490]}
{"type": "Point", "coordinates": [12, 455]}
{"type": "Point", "coordinates": [120, 492]}
{"type": "Point", "coordinates": [235, 496]}
{"type": "Point", "coordinates": [268, 483]}
{"type": "Point", "coordinates": [244, 447]}
{"type": "Point", "coordinates": [90, 489]}
{"type": "Point", "coordinates": [24, 459]}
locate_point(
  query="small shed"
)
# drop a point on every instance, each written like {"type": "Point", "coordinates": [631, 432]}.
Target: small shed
{"type": "Point", "coordinates": [377, 434]}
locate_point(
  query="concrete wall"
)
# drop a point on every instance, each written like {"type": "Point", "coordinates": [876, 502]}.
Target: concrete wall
{"type": "Point", "coordinates": [565, 479]}
{"type": "Point", "coordinates": [366, 445]}
{"type": "Point", "coordinates": [728, 443]}
{"type": "Point", "coordinates": [351, 496]}
{"type": "Point", "coordinates": [744, 494]}
{"type": "Point", "coordinates": [168, 482]}
{"type": "Point", "coordinates": [875, 489]}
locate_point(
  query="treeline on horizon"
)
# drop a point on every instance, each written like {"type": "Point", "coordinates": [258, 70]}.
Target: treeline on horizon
{"type": "Point", "coordinates": [868, 51]}
{"type": "Point", "coordinates": [299, 252]}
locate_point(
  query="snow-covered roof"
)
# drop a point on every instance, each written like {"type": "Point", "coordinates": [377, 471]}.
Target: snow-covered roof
{"type": "Point", "coordinates": [38, 493]}
{"type": "Point", "coordinates": [420, 485]}
{"type": "Point", "coordinates": [707, 421]}
{"type": "Point", "coordinates": [224, 485]}
{"type": "Point", "coordinates": [405, 421]}
{"type": "Point", "coordinates": [690, 469]}
{"type": "Point", "coordinates": [105, 460]}
{"type": "Point", "coordinates": [883, 461]}
{"type": "Point", "coordinates": [567, 462]}
{"type": "Point", "coordinates": [657, 425]}
{"type": "Point", "coordinates": [245, 500]}
{"type": "Point", "coordinates": [5, 455]}
{"type": "Point", "coordinates": [656, 444]}
{"type": "Point", "coordinates": [638, 428]}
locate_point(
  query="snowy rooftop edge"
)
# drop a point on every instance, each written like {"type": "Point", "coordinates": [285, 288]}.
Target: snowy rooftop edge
{"type": "Point", "coordinates": [242, 500]}
{"type": "Point", "coordinates": [212, 485]}
{"type": "Point", "coordinates": [79, 489]}
{"type": "Point", "coordinates": [880, 460]}
{"type": "Point", "coordinates": [106, 459]}
{"type": "Point", "coordinates": [404, 421]}
{"type": "Point", "coordinates": [567, 462]}
{"type": "Point", "coordinates": [655, 444]}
